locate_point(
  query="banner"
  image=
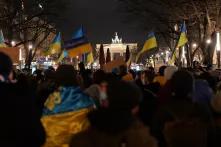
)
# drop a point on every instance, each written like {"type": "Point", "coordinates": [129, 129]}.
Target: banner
{"type": "Point", "coordinates": [114, 64]}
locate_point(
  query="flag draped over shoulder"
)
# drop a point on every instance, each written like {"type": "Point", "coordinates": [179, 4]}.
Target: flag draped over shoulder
{"type": "Point", "coordinates": [65, 114]}
{"type": "Point", "coordinates": [79, 44]}
{"type": "Point", "coordinates": [150, 43]}
{"type": "Point", "coordinates": [55, 47]}
{"type": "Point", "coordinates": [2, 40]}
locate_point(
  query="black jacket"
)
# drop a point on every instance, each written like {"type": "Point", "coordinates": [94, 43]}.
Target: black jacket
{"type": "Point", "coordinates": [20, 125]}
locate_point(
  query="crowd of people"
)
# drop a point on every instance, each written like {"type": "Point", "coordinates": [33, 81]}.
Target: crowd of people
{"type": "Point", "coordinates": [125, 108]}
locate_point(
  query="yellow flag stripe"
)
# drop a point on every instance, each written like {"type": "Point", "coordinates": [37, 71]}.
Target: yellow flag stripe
{"type": "Point", "coordinates": [86, 48]}
{"type": "Point", "coordinates": [183, 40]}
{"type": "Point", "coordinates": [149, 44]}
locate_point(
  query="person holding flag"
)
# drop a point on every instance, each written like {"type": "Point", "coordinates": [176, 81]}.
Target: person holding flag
{"type": "Point", "coordinates": [150, 43]}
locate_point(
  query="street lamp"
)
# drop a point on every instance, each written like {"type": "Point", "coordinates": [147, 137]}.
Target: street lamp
{"type": "Point", "coordinates": [208, 41]}
{"type": "Point", "coordinates": [30, 47]}
{"type": "Point", "coordinates": [13, 43]}
{"type": "Point", "coordinates": [194, 45]}
{"type": "Point", "coordinates": [40, 6]}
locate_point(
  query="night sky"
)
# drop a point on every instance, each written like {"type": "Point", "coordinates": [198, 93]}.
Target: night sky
{"type": "Point", "coordinates": [101, 19]}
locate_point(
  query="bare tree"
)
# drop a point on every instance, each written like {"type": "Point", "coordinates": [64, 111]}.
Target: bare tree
{"type": "Point", "coordinates": [202, 17]}
{"type": "Point", "coordinates": [28, 22]}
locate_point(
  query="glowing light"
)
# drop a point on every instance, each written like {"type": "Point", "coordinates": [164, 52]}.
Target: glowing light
{"type": "Point", "coordinates": [208, 41]}
{"type": "Point", "coordinates": [176, 27]}
{"type": "Point", "coordinates": [40, 6]}
{"type": "Point", "coordinates": [183, 52]}
{"type": "Point", "coordinates": [194, 45]}
{"type": "Point", "coordinates": [30, 46]}
{"type": "Point", "coordinates": [13, 43]}
{"type": "Point", "coordinates": [20, 55]}
{"type": "Point", "coordinates": [218, 41]}
{"type": "Point", "coordinates": [95, 64]}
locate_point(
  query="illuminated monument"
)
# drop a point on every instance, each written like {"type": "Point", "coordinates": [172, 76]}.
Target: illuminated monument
{"type": "Point", "coordinates": [117, 47]}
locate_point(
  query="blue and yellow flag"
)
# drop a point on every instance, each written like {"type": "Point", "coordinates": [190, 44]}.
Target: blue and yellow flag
{"type": "Point", "coordinates": [173, 58]}
{"type": "Point", "coordinates": [150, 43]}
{"type": "Point", "coordinates": [79, 33]}
{"type": "Point", "coordinates": [79, 44]}
{"type": "Point", "coordinates": [65, 114]}
{"type": "Point", "coordinates": [181, 42]}
{"type": "Point", "coordinates": [55, 47]}
{"type": "Point", "coordinates": [183, 37]}
{"type": "Point", "coordinates": [90, 57]}
{"type": "Point", "coordinates": [63, 55]}
{"type": "Point", "coordinates": [2, 40]}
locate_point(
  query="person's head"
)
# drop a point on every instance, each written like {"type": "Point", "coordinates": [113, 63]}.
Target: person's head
{"type": "Point", "coordinates": [38, 74]}
{"type": "Point", "coordinates": [203, 93]}
{"type": "Point", "coordinates": [133, 73]}
{"type": "Point", "coordinates": [99, 76]}
{"type": "Point", "coordinates": [49, 74]}
{"type": "Point", "coordinates": [66, 75]}
{"type": "Point", "coordinates": [119, 107]}
{"type": "Point", "coordinates": [169, 71]}
{"type": "Point", "coordinates": [150, 76]}
{"type": "Point", "coordinates": [151, 69]}
{"type": "Point", "coordinates": [196, 64]}
{"type": "Point", "coordinates": [161, 70]}
{"type": "Point", "coordinates": [81, 66]}
{"type": "Point", "coordinates": [123, 69]}
{"type": "Point", "coordinates": [209, 78]}
{"type": "Point", "coordinates": [123, 96]}
{"type": "Point", "coordinates": [182, 83]}
{"type": "Point", "coordinates": [5, 66]}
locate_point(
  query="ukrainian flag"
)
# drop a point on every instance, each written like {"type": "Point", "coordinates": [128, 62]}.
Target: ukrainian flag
{"type": "Point", "coordinates": [90, 57]}
{"type": "Point", "coordinates": [183, 37]}
{"type": "Point", "coordinates": [2, 40]}
{"type": "Point", "coordinates": [62, 56]}
{"type": "Point", "coordinates": [181, 42]}
{"type": "Point", "coordinates": [79, 45]}
{"type": "Point", "coordinates": [79, 33]}
{"type": "Point", "coordinates": [65, 114]}
{"type": "Point", "coordinates": [55, 47]}
{"type": "Point", "coordinates": [150, 43]}
{"type": "Point", "coordinates": [173, 59]}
